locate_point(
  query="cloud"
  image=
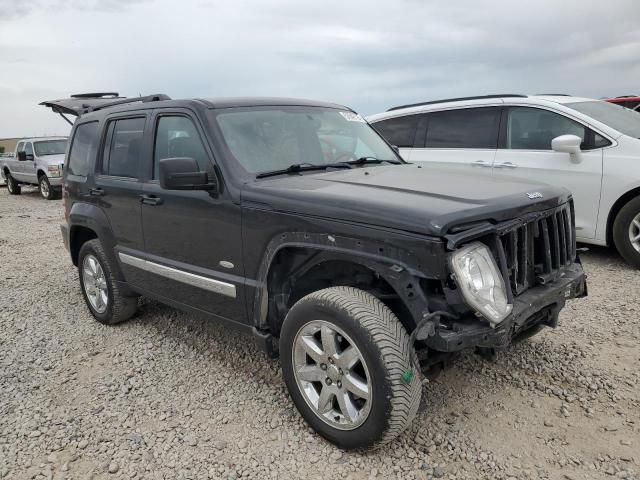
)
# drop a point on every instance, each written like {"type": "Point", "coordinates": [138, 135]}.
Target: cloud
{"type": "Point", "coordinates": [369, 55]}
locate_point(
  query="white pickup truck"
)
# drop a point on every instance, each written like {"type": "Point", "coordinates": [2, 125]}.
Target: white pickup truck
{"type": "Point", "coordinates": [36, 161]}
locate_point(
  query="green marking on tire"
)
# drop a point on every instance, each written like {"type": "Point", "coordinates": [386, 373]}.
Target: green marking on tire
{"type": "Point", "coordinates": [407, 376]}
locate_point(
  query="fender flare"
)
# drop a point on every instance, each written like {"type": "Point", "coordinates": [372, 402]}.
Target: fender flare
{"type": "Point", "coordinates": [92, 217]}
{"type": "Point", "coordinates": [390, 262]}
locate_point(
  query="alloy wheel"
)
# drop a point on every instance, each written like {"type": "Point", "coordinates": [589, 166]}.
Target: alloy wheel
{"type": "Point", "coordinates": [634, 232]}
{"type": "Point", "coordinates": [332, 375]}
{"type": "Point", "coordinates": [95, 283]}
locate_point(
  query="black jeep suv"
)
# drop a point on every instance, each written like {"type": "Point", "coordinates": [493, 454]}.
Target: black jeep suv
{"type": "Point", "coordinates": [296, 221]}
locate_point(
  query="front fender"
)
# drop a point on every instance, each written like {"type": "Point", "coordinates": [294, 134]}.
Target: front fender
{"type": "Point", "coordinates": [397, 266]}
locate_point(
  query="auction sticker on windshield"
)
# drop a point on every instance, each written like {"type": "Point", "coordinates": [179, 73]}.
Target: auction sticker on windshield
{"type": "Point", "coordinates": [352, 117]}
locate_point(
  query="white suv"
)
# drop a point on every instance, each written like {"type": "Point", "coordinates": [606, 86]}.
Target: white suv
{"type": "Point", "coordinates": [589, 146]}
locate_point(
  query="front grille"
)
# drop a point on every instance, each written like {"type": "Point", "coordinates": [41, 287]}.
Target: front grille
{"type": "Point", "coordinates": [534, 253]}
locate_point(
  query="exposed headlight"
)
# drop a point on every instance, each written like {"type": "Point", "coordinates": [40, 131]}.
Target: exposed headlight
{"type": "Point", "coordinates": [54, 170]}
{"type": "Point", "coordinates": [481, 282]}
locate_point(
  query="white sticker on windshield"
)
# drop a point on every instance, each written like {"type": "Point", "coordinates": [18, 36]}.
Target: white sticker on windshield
{"type": "Point", "coordinates": [352, 117]}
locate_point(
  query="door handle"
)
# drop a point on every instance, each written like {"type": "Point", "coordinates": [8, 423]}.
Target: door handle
{"type": "Point", "coordinates": [506, 165]}
{"type": "Point", "coordinates": [480, 163]}
{"type": "Point", "coordinates": [96, 192]}
{"type": "Point", "coordinates": [150, 200]}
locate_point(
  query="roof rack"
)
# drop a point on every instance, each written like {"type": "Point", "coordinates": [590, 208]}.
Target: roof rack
{"type": "Point", "coordinates": [459, 99]}
{"type": "Point", "coordinates": [96, 95]}
{"type": "Point", "coordinates": [82, 103]}
{"type": "Point", "coordinates": [121, 101]}
{"type": "Point", "coordinates": [626, 96]}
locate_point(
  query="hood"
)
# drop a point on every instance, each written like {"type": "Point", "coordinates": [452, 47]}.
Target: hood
{"type": "Point", "coordinates": [52, 159]}
{"type": "Point", "coordinates": [406, 197]}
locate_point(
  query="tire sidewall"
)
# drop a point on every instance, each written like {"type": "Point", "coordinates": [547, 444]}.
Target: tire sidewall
{"type": "Point", "coordinates": [377, 422]}
{"type": "Point", "coordinates": [621, 232]}
{"type": "Point", "coordinates": [88, 248]}
{"type": "Point", "coordinates": [12, 185]}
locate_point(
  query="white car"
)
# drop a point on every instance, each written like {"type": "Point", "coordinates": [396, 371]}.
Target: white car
{"type": "Point", "coordinates": [589, 146]}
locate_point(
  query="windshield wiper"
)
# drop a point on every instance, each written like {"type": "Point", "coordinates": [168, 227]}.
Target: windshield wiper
{"type": "Point", "coordinates": [302, 167]}
{"type": "Point", "coordinates": [364, 160]}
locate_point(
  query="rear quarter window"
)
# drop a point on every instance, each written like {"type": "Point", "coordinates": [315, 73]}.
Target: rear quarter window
{"type": "Point", "coordinates": [83, 149]}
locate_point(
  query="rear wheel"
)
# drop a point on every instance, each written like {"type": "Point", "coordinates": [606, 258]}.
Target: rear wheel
{"type": "Point", "coordinates": [626, 232]}
{"type": "Point", "coordinates": [346, 360]}
{"type": "Point", "coordinates": [12, 186]}
{"type": "Point", "coordinates": [99, 287]}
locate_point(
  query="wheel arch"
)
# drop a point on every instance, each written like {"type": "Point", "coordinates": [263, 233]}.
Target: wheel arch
{"type": "Point", "coordinates": [40, 173]}
{"type": "Point", "coordinates": [615, 209]}
{"type": "Point", "coordinates": [299, 263]}
{"type": "Point", "coordinates": [86, 222]}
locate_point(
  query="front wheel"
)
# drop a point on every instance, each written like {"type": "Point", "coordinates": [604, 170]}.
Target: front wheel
{"type": "Point", "coordinates": [346, 361]}
{"type": "Point", "coordinates": [626, 232]}
{"type": "Point", "coordinates": [12, 186]}
{"type": "Point", "coordinates": [47, 192]}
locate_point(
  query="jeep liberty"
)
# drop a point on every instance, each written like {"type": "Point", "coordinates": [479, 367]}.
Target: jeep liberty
{"type": "Point", "coordinates": [294, 220]}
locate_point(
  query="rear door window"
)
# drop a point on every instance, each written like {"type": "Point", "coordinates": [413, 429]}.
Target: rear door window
{"type": "Point", "coordinates": [463, 128]}
{"type": "Point", "coordinates": [123, 148]}
{"type": "Point", "coordinates": [399, 131]}
{"type": "Point", "coordinates": [20, 147]}
{"type": "Point", "coordinates": [83, 149]}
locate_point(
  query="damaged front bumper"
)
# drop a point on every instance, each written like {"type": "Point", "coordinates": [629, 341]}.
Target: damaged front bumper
{"type": "Point", "coordinates": [534, 308]}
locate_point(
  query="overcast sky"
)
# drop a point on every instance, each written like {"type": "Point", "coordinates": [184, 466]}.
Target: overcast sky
{"type": "Point", "coordinates": [369, 55]}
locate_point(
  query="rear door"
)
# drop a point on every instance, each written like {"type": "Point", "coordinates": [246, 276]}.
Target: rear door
{"type": "Point", "coordinates": [15, 165]}
{"type": "Point", "coordinates": [192, 238]}
{"type": "Point", "coordinates": [525, 152]}
{"type": "Point", "coordinates": [117, 180]}
{"type": "Point", "coordinates": [461, 140]}
{"type": "Point", "coordinates": [28, 167]}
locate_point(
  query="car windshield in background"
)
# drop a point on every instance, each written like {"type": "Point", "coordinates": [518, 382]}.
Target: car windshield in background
{"type": "Point", "coordinates": [622, 119]}
{"type": "Point", "coordinates": [50, 147]}
{"type": "Point", "coordinates": [274, 138]}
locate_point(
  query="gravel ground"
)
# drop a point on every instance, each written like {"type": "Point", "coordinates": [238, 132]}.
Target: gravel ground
{"type": "Point", "coordinates": [170, 396]}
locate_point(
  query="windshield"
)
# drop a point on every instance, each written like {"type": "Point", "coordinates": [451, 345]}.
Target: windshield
{"type": "Point", "coordinates": [622, 119]}
{"type": "Point", "coordinates": [274, 138]}
{"type": "Point", "coordinates": [50, 147]}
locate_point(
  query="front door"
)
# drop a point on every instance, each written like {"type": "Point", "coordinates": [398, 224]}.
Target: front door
{"type": "Point", "coordinates": [192, 237]}
{"type": "Point", "coordinates": [526, 140]}
{"type": "Point", "coordinates": [462, 140]}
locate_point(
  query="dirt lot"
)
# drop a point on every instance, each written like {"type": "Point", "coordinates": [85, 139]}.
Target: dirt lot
{"type": "Point", "coordinates": [171, 396]}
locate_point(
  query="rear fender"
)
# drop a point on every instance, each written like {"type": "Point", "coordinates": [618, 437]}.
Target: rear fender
{"type": "Point", "coordinates": [91, 217]}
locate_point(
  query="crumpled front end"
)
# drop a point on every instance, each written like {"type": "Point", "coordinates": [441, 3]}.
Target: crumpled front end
{"type": "Point", "coordinates": [537, 260]}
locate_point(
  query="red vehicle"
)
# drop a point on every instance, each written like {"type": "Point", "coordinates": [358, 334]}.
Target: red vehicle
{"type": "Point", "coordinates": [629, 101]}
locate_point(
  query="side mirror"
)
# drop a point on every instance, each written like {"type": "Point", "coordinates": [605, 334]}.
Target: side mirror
{"type": "Point", "coordinates": [22, 155]}
{"type": "Point", "coordinates": [183, 173]}
{"type": "Point", "coordinates": [567, 144]}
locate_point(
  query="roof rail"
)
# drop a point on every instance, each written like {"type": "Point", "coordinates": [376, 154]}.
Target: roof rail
{"type": "Point", "coordinates": [459, 99]}
{"type": "Point", "coordinates": [554, 95]}
{"type": "Point", "coordinates": [121, 101]}
{"type": "Point", "coordinates": [626, 96]}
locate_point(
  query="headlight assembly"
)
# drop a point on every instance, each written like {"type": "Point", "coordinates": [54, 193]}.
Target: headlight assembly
{"type": "Point", "coordinates": [481, 282]}
{"type": "Point", "coordinates": [54, 170]}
